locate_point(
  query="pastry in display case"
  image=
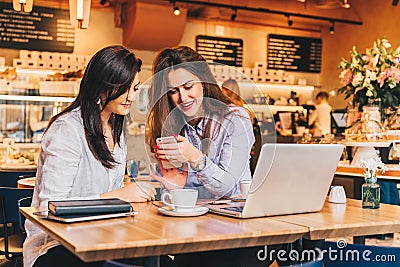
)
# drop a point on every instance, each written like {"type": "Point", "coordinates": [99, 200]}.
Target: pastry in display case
{"type": "Point", "coordinates": [25, 107]}
{"type": "Point", "coordinates": [18, 156]}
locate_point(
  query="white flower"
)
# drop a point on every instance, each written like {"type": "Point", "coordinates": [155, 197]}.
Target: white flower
{"type": "Point", "coordinates": [386, 44]}
{"type": "Point", "coordinates": [357, 79]}
{"type": "Point", "coordinates": [370, 74]}
{"type": "Point", "coordinates": [372, 166]}
{"type": "Point", "coordinates": [369, 93]}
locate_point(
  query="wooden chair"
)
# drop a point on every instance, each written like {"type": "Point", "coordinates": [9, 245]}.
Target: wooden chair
{"type": "Point", "coordinates": [12, 240]}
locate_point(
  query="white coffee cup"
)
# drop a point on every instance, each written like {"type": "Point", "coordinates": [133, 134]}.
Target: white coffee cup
{"type": "Point", "coordinates": [244, 188]}
{"type": "Point", "coordinates": [181, 200]}
{"type": "Point", "coordinates": [337, 194]}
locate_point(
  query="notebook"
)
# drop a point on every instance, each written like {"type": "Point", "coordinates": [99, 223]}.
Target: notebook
{"type": "Point", "coordinates": [72, 218]}
{"type": "Point", "coordinates": [288, 179]}
{"type": "Point", "coordinates": [88, 206]}
{"type": "Point", "coordinates": [69, 211]}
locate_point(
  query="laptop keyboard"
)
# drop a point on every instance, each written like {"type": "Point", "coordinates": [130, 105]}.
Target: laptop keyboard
{"type": "Point", "coordinates": [235, 209]}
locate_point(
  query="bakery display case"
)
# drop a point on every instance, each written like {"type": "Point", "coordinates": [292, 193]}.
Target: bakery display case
{"type": "Point", "coordinates": [29, 98]}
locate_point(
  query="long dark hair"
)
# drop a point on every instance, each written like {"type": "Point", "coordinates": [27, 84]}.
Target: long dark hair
{"type": "Point", "coordinates": [109, 74]}
{"type": "Point", "coordinates": [215, 103]}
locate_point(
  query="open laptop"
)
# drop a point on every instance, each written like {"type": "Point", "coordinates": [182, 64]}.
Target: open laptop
{"type": "Point", "coordinates": [288, 179]}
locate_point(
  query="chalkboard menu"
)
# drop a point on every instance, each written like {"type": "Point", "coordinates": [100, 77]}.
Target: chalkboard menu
{"type": "Point", "coordinates": [294, 53]}
{"type": "Point", "coordinates": [43, 29]}
{"type": "Point", "coordinates": [228, 51]}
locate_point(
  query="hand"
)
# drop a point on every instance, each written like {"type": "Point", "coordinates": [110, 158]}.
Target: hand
{"type": "Point", "coordinates": [171, 178]}
{"type": "Point", "coordinates": [180, 152]}
{"type": "Point", "coordinates": [133, 192]}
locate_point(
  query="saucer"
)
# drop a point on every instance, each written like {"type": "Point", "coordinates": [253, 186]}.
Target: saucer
{"type": "Point", "coordinates": [197, 211]}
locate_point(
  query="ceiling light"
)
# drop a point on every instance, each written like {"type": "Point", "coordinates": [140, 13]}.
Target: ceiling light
{"type": "Point", "coordinates": [23, 5]}
{"type": "Point", "coordinates": [79, 12]}
{"type": "Point", "coordinates": [234, 14]}
{"type": "Point", "coordinates": [301, 1]}
{"type": "Point", "coordinates": [289, 21]}
{"type": "Point", "coordinates": [346, 4]}
{"type": "Point", "coordinates": [177, 12]}
{"type": "Point", "coordinates": [332, 28]}
{"type": "Point", "coordinates": [266, 10]}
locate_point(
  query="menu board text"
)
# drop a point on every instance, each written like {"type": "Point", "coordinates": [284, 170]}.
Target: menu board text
{"type": "Point", "coordinates": [294, 53]}
{"type": "Point", "coordinates": [43, 29]}
{"type": "Point", "coordinates": [228, 51]}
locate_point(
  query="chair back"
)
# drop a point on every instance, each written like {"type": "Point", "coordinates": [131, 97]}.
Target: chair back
{"type": "Point", "coordinates": [23, 202]}
{"type": "Point", "coordinates": [9, 203]}
{"type": "Point", "coordinates": [354, 255]}
{"type": "Point", "coordinates": [10, 178]}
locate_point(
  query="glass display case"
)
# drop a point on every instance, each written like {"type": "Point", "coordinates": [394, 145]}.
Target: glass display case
{"type": "Point", "coordinates": [29, 98]}
{"type": "Point", "coordinates": [24, 117]}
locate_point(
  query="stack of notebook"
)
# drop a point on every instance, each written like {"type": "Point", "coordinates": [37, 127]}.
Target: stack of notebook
{"type": "Point", "coordinates": [86, 210]}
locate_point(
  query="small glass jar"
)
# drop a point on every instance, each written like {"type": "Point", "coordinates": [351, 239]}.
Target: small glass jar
{"type": "Point", "coordinates": [371, 118]}
{"type": "Point", "coordinates": [371, 194]}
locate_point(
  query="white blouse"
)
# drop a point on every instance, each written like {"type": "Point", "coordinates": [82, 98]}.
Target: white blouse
{"type": "Point", "coordinates": [67, 169]}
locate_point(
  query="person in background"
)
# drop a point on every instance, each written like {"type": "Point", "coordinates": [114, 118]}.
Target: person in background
{"type": "Point", "coordinates": [83, 151]}
{"type": "Point", "coordinates": [320, 118]}
{"type": "Point", "coordinates": [231, 89]}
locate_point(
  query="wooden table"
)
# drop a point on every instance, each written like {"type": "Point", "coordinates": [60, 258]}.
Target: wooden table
{"type": "Point", "coordinates": [26, 182]}
{"type": "Point", "coordinates": [152, 234]}
{"type": "Point", "coordinates": [341, 220]}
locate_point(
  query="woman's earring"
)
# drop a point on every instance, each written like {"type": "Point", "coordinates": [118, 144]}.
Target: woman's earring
{"type": "Point", "coordinates": [98, 101]}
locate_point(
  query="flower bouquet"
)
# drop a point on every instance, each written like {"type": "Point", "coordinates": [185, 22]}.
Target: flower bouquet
{"type": "Point", "coordinates": [372, 76]}
{"type": "Point", "coordinates": [371, 189]}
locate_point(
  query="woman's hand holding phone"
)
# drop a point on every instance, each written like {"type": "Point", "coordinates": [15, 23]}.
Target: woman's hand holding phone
{"type": "Point", "coordinates": [177, 152]}
{"type": "Point", "coordinates": [162, 143]}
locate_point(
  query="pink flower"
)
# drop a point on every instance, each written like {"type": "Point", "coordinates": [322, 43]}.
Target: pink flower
{"type": "Point", "coordinates": [382, 77]}
{"type": "Point", "coordinates": [395, 74]}
{"type": "Point", "coordinates": [397, 60]}
{"type": "Point", "coordinates": [346, 76]}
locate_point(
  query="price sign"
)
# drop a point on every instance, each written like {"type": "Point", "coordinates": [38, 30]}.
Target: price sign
{"type": "Point", "coordinates": [294, 53]}
{"type": "Point", "coordinates": [228, 51]}
{"type": "Point", "coordinates": [43, 29]}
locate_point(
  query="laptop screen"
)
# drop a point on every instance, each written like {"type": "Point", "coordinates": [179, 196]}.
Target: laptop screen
{"type": "Point", "coordinates": [340, 119]}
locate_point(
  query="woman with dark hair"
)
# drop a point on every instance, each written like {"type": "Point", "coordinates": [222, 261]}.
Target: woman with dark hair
{"type": "Point", "coordinates": [83, 151]}
{"type": "Point", "coordinates": [213, 136]}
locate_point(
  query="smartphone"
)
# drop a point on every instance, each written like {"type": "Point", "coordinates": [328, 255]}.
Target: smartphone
{"type": "Point", "coordinates": [166, 140]}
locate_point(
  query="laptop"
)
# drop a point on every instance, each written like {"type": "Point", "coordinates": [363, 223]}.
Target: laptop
{"type": "Point", "coordinates": [288, 179]}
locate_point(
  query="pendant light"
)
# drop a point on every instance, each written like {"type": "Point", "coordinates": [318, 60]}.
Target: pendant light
{"type": "Point", "coordinates": [79, 13]}
{"type": "Point", "coordinates": [23, 5]}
